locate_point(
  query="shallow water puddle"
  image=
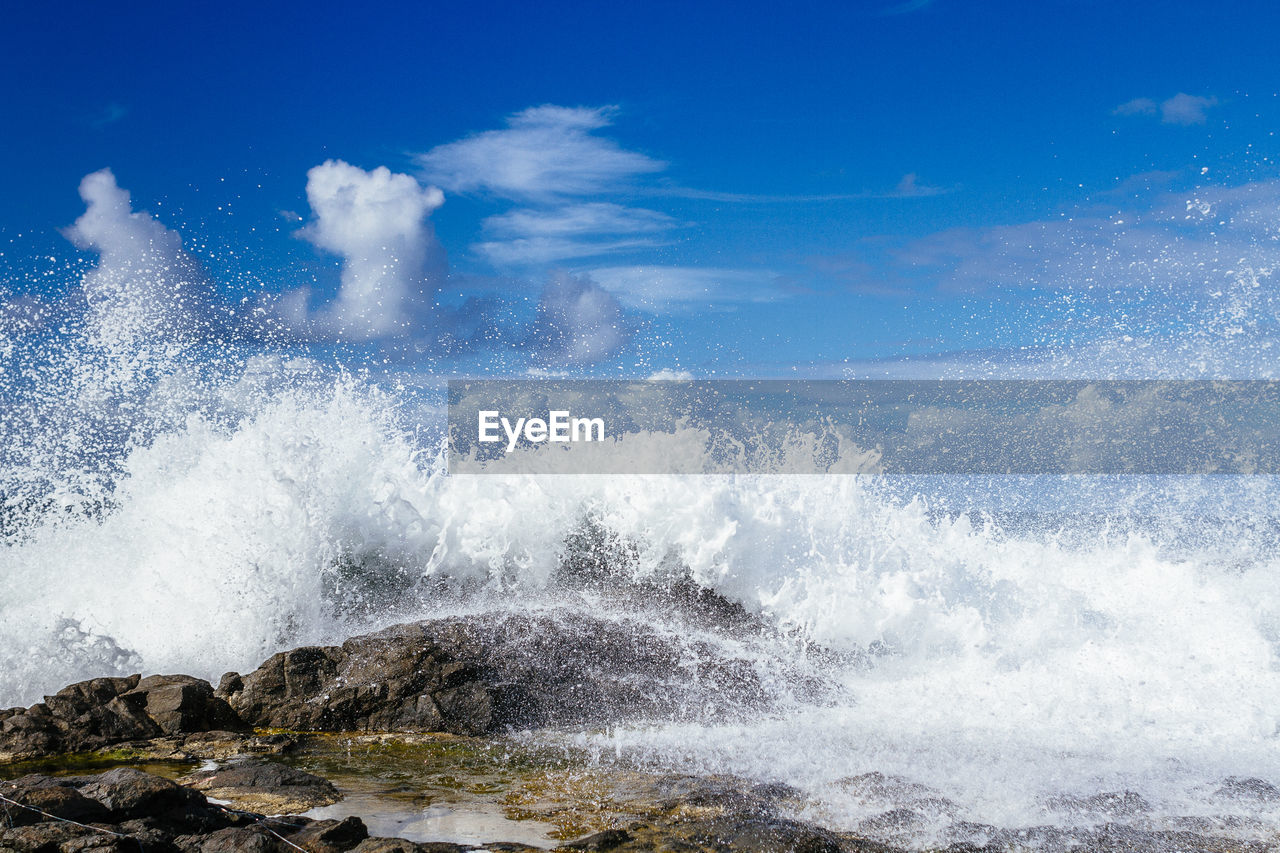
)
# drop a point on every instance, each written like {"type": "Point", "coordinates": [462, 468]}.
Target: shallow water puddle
{"type": "Point", "coordinates": [460, 822]}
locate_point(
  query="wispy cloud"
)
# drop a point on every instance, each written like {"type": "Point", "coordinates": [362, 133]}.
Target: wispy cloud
{"type": "Point", "coordinates": [651, 288]}
{"type": "Point", "coordinates": [1180, 109]}
{"type": "Point", "coordinates": [1170, 241]}
{"type": "Point", "coordinates": [577, 219]}
{"type": "Point", "coordinates": [540, 251]}
{"type": "Point", "coordinates": [908, 187]}
{"type": "Point", "coordinates": [110, 114]}
{"type": "Point", "coordinates": [543, 236]}
{"type": "Point", "coordinates": [543, 154]}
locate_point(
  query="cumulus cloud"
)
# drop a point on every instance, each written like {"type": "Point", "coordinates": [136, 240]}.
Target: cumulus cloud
{"type": "Point", "coordinates": [578, 322]}
{"type": "Point", "coordinates": [544, 153]}
{"type": "Point", "coordinates": [1181, 109]}
{"type": "Point", "coordinates": [377, 222]}
{"type": "Point", "coordinates": [144, 284]}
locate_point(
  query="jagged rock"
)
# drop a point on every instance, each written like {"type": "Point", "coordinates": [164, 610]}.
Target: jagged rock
{"type": "Point", "coordinates": [474, 675]}
{"type": "Point", "coordinates": [181, 704]}
{"type": "Point", "coordinates": [1258, 790]}
{"type": "Point", "coordinates": [264, 786]}
{"type": "Point", "coordinates": [130, 811]}
{"type": "Point", "coordinates": [606, 840]}
{"type": "Point", "coordinates": [57, 800]}
{"type": "Point", "coordinates": [400, 845]}
{"type": "Point", "coordinates": [1108, 804]}
{"type": "Point", "coordinates": [127, 792]}
{"type": "Point", "coordinates": [101, 712]}
{"type": "Point", "coordinates": [50, 838]}
{"type": "Point", "coordinates": [331, 836]}
{"type": "Point", "coordinates": [253, 839]}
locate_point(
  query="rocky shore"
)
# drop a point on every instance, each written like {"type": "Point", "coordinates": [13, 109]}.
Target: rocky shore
{"type": "Point", "coordinates": [291, 755]}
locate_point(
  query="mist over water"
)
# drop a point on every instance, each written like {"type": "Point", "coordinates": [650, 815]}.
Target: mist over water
{"type": "Point", "coordinates": [182, 496]}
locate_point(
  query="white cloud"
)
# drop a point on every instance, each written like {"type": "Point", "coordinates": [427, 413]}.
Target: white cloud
{"type": "Point", "coordinates": [578, 219]}
{"type": "Point", "coordinates": [1136, 107]}
{"type": "Point", "coordinates": [1185, 109]}
{"type": "Point", "coordinates": [910, 187]}
{"type": "Point", "coordinates": [545, 250]}
{"type": "Point", "coordinates": [578, 322]}
{"type": "Point", "coordinates": [1175, 240]}
{"type": "Point", "coordinates": [144, 286]}
{"type": "Point", "coordinates": [377, 221]}
{"type": "Point", "coordinates": [543, 236]}
{"type": "Point", "coordinates": [1181, 109]}
{"type": "Point", "coordinates": [658, 287]}
{"type": "Point", "coordinates": [544, 153]}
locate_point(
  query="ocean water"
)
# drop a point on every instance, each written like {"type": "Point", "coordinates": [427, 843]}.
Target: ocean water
{"type": "Point", "coordinates": [180, 500]}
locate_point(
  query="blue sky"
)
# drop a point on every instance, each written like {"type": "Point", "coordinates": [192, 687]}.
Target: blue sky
{"type": "Point", "coordinates": [713, 187]}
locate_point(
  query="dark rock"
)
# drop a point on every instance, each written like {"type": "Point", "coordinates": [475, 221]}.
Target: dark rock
{"type": "Point", "coordinates": [253, 839]}
{"type": "Point", "coordinates": [48, 837]}
{"type": "Point", "coordinates": [101, 712]}
{"type": "Point", "coordinates": [760, 835]}
{"type": "Point", "coordinates": [607, 840]}
{"type": "Point", "coordinates": [128, 792]}
{"type": "Point", "coordinates": [400, 845]}
{"type": "Point", "coordinates": [599, 561]}
{"type": "Point", "coordinates": [56, 800]}
{"type": "Point", "coordinates": [478, 674]}
{"type": "Point", "coordinates": [264, 786]}
{"type": "Point", "coordinates": [180, 704]}
{"type": "Point", "coordinates": [1258, 790]}
{"type": "Point", "coordinates": [230, 683]}
{"type": "Point", "coordinates": [1109, 804]}
{"type": "Point", "coordinates": [893, 822]}
{"type": "Point", "coordinates": [331, 836]}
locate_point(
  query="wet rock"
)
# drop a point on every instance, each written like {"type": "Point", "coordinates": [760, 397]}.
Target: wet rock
{"type": "Point", "coordinates": [38, 798]}
{"type": "Point", "coordinates": [127, 792]}
{"type": "Point", "coordinates": [232, 840]}
{"type": "Point", "coordinates": [180, 703]}
{"type": "Point", "coordinates": [1109, 804]}
{"type": "Point", "coordinates": [1256, 790]}
{"type": "Point", "coordinates": [607, 840]}
{"type": "Point", "coordinates": [761, 835]}
{"type": "Point", "coordinates": [895, 822]}
{"type": "Point", "coordinates": [479, 674]}
{"type": "Point", "coordinates": [100, 712]}
{"type": "Point", "coordinates": [400, 845]}
{"type": "Point", "coordinates": [331, 836]}
{"type": "Point", "coordinates": [264, 786]}
{"type": "Point", "coordinates": [50, 837]}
